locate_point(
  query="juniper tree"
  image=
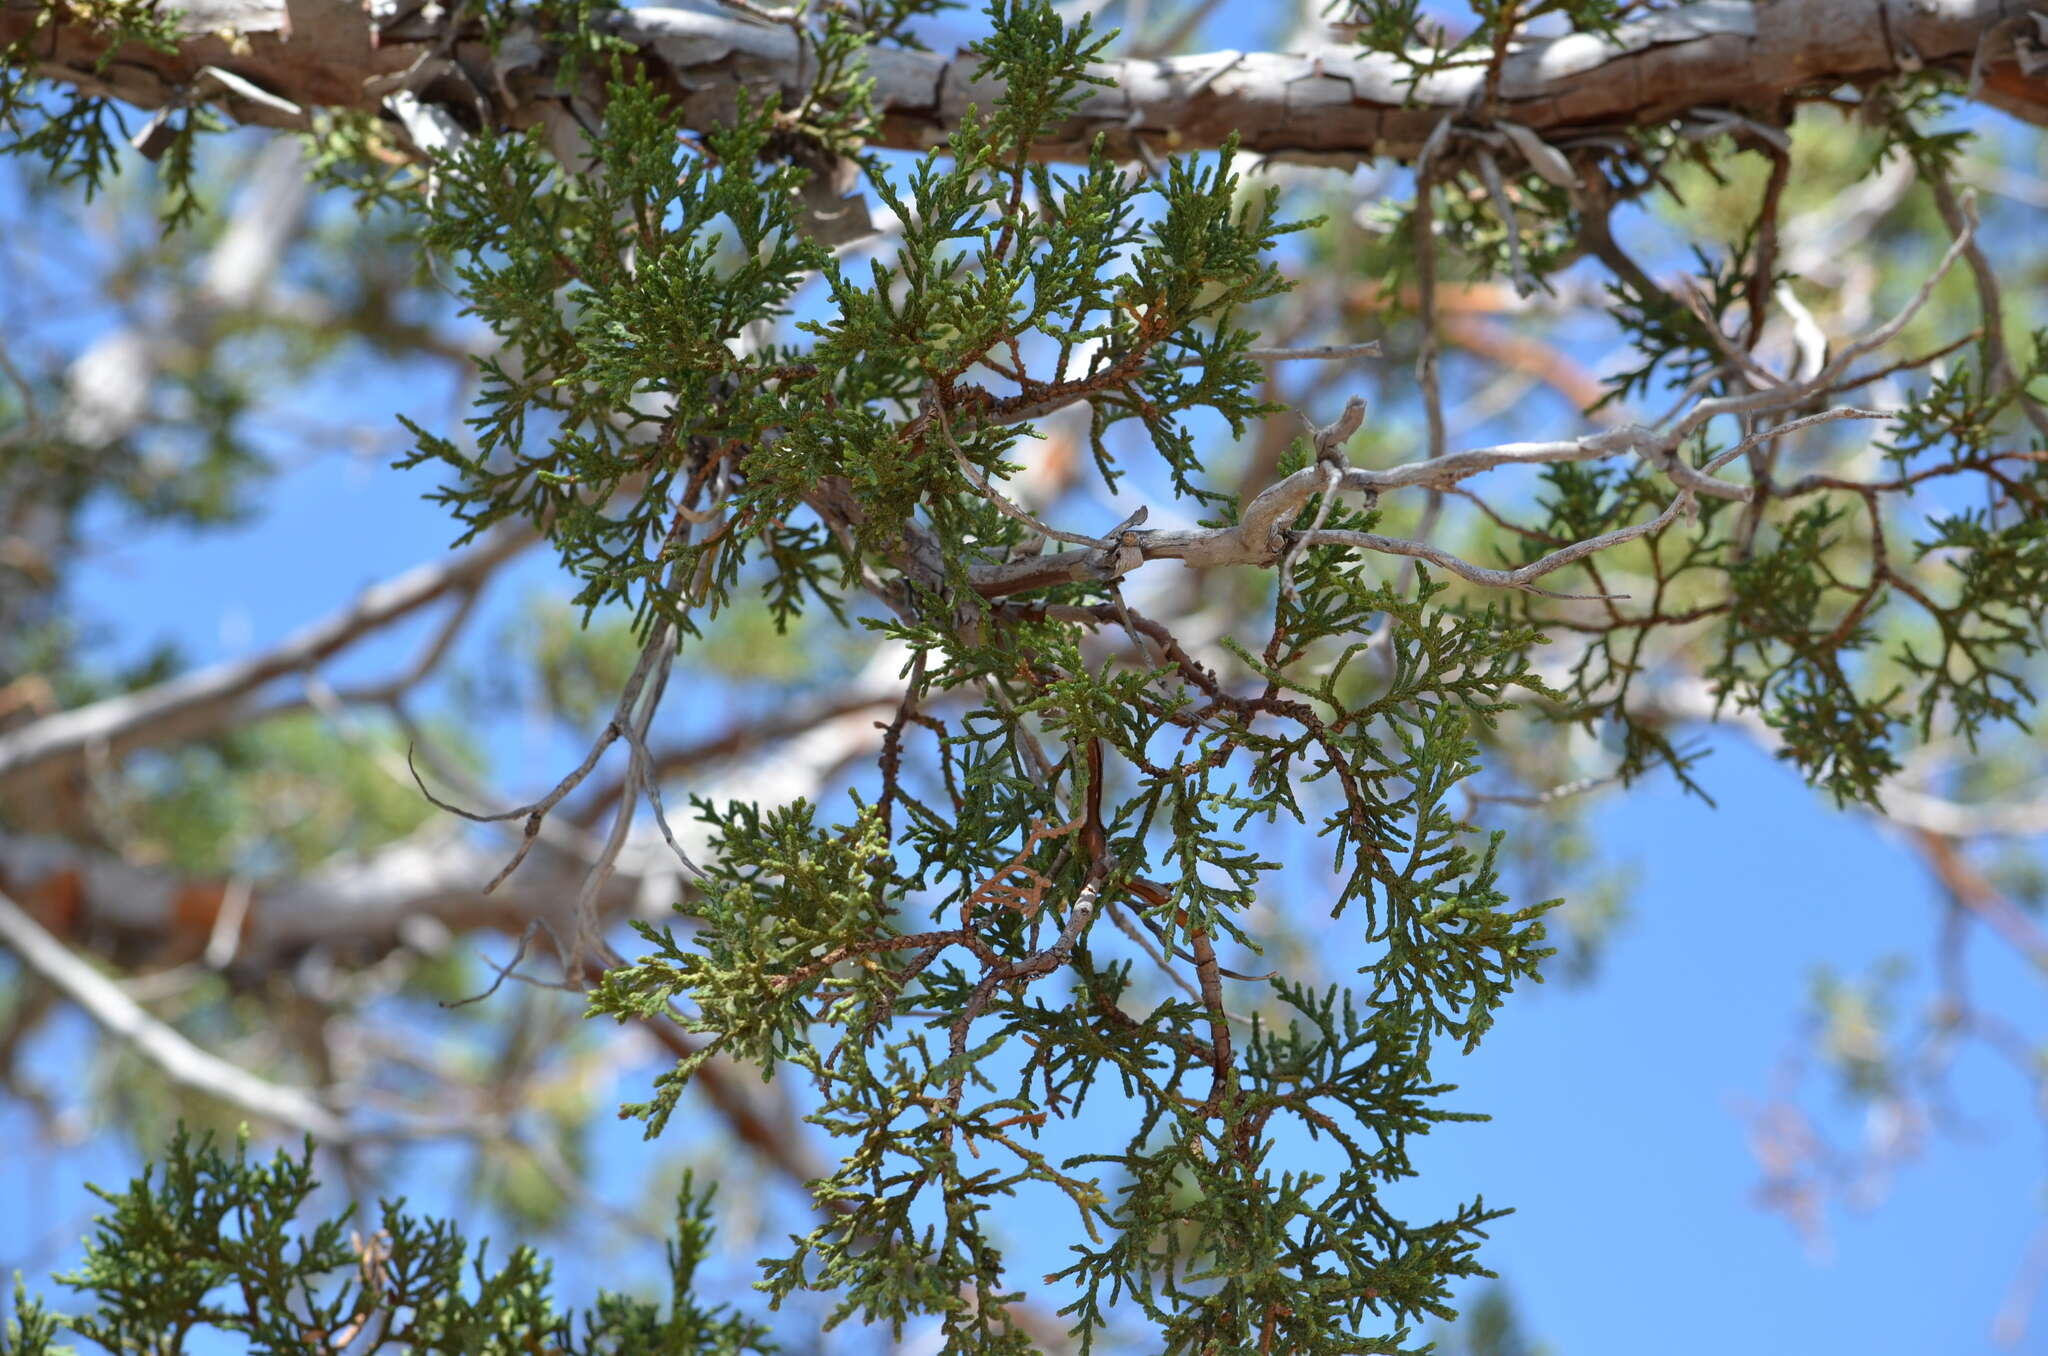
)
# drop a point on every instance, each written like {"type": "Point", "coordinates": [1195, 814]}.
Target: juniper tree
{"type": "Point", "coordinates": [785, 314]}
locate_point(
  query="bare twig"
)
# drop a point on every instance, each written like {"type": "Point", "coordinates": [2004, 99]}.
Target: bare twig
{"type": "Point", "coordinates": [650, 675]}
{"type": "Point", "coordinates": [656, 651]}
{"type": "Point", "coordinates": [1316, 352]}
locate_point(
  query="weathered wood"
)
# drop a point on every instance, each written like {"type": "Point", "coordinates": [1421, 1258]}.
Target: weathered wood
{"type": "Point", "coordinates": [1328, 105]}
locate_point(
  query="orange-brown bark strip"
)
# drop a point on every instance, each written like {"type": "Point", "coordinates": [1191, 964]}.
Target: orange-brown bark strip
{"type": "Point", "coordinates": [1332, 105]}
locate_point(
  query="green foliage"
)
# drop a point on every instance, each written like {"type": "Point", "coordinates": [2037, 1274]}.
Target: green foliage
{"type": "Point", "coordinates": [964, 954]}
{"type": "Point", "coordinates": [1796, 597]}
{"type": "Point", "coordinates": [1427, 42]}
{"type": "Point", "coordinates": [934, 964]}
{"type": "Point", "coordinates": [1807, 614]}
{"type": "Point", "coordinates": [659, 272]}
{"type": "Point", "coordinates": [206, 1247]}
{"type": "Point", "coordinates": [351, 149]}
{"type": "Point", "coordinates": [201, 480]}
{"type": "Point", "coordinates": [571, 30]}
{"type": "Point", "coordinates": [1856, 1035]}
{"type": "Point", "coordinates": [1802, 610]}
{"type": "Point", "coordinates": [618, 307]}
{"type": "Point", "coordinates": [800, 926]}
{"type": "Point", "coordinates": [77, 138]}
{"type": "Point", "coordinates": [579, 668]}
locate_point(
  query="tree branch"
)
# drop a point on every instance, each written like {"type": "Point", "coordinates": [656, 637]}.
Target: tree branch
{"type": "Point", "coordinates": [210, 699]}
{"type": "Point", "coordinates": [417, 889]}
{"type": "Point", "coordinates": [1336, 105]}
{"type": "Point", "coordinates": [181, 1061]}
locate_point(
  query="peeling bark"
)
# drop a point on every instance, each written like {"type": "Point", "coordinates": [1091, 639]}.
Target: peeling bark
{"type": "Point", "coordinates": [1330, 106]}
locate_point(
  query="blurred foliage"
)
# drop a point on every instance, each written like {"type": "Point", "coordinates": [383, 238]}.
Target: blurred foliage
{"type": "Point", "coordinates": [579, 668]}
{"type": "Point", "coordinates": [274, 799]}
{"type": "Point", "coordinates": [1490, 1325]}
{"type": "Point", "coordinates": [1855, 1022]}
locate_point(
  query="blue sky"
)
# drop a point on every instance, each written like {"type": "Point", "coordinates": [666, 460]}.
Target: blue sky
{"type": "Point", "coordinates": [1618, 1130]}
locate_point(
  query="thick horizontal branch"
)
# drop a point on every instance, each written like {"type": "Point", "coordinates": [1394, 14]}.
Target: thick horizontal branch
{"type": "Point", "coordinates": [1336, 104]}
{"type": "Point", "coordinates": [414, 892]}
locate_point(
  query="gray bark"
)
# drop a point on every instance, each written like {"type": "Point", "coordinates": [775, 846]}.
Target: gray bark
{"type": "Point", "coordinates": [1712, 58]}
